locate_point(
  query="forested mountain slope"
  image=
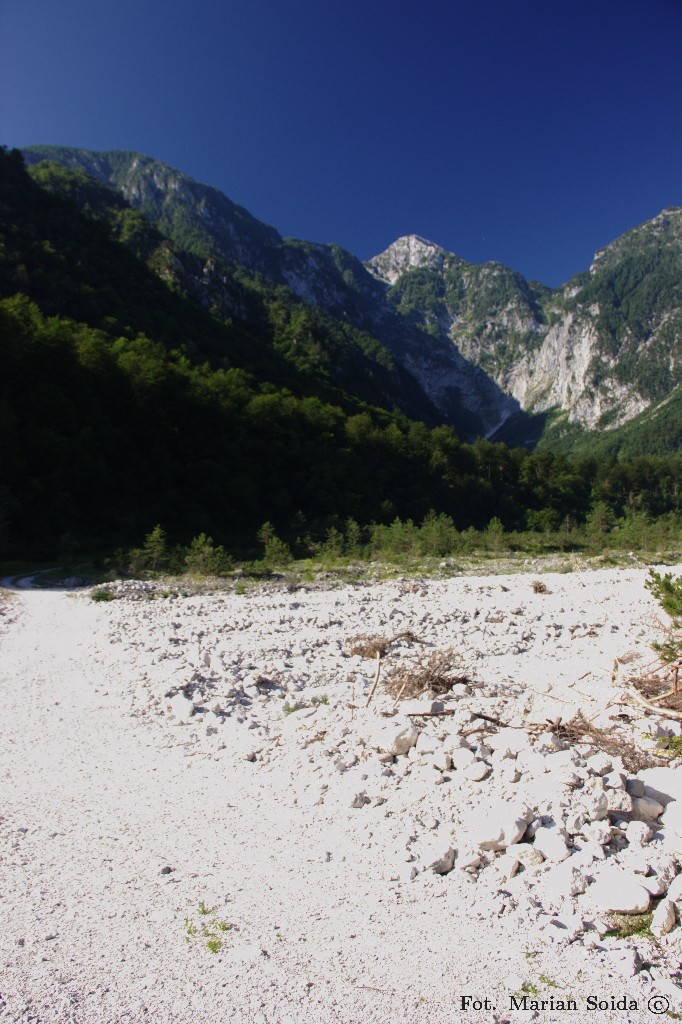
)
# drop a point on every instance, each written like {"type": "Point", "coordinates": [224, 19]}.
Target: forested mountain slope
{"type": "Point", "coordinates": [144, 383]}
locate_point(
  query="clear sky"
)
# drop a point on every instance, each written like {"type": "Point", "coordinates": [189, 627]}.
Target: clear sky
{"type": "Point", "coordinates": [527, 131]}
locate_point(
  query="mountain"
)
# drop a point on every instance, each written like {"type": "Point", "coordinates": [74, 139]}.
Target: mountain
{"type": "Point", "coordinates": [144, 382]}
{"type": "Point", "coordinates": [484, 349]}
{"type": "Point", "coordinates": [199, 219]}
{"type": "Point", "coordinates": [590, 356]}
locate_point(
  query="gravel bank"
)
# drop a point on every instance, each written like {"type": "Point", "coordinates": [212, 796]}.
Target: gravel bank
{"type": "Point", "coordinates": [162, 756]}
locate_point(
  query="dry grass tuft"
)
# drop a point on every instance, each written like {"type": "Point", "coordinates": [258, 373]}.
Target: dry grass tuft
{"type": "Point", "coordinates": [377, 646]}
{"type": "Point", "coordinates": [539, 587]}
{"type": "Point", "coordinates": [435, 674]}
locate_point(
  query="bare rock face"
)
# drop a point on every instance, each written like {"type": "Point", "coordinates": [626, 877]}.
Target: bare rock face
{"type": "Point", "coordinates": [405, 254]}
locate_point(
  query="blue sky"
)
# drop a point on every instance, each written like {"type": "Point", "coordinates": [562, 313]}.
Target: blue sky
{"type": "Point", "coordinates": [527, 131]}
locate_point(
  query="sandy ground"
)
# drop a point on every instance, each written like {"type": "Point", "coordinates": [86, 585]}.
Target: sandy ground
{"type": "Point", "coordinates": [117, 824]}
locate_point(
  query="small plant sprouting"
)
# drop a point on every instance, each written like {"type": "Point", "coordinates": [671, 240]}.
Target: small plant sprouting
{"type": "Point", "coordinates": [625, 925]}
{"type": "Point", "coordinates": [212, 928]}
{"type": "Point", "coordinates": [288, 708]}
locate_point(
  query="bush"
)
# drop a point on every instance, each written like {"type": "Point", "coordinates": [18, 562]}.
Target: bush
{"type": "Point", "coordinates": [276, 552]}
{"type": "Point", "coordinates": [205, 559]}
{"type": "Point", "coordinates": [103, 594]}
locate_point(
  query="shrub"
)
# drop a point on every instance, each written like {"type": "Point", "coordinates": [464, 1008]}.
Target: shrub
{"type": "Point", "coordinates": [276, 552]}
{"type": "Point", "coordinates": [205, 559]}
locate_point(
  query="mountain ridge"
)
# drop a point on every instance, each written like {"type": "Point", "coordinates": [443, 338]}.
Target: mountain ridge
{"type": "Point", "coordinates": [486, 346]}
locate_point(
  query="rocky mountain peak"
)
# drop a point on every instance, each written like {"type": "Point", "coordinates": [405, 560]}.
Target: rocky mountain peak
{"type": "Point", "coordinates": [406, 253]}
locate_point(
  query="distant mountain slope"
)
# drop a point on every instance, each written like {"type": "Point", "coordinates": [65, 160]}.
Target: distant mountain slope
{"type": "Point", "coordinates": [198, 218]}
{"type": "Point", "coordinates": [484, 349]}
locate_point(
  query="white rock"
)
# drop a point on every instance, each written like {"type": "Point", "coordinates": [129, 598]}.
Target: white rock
{"type": "Point", "coordinates": [664, 918]}
{"type": "Point", "coordinates": [596, 801]}
{"type": "Point", "coordinates": [421, 707]}
{"type": "Point", "coordinates": [643, 731]}
{"type": "Point", "coordinates": [589, 853]}
{"type": "Point", "coordinates": [664, 870]}
{"type": "Point", "coordinates": [672, 817]}
{"type": "Point", "coordinates": [506, 772]}
{"type": "Point", "coordinates": [441, 759]}
{"type": "Point", "coordinates": [624, 961]}
{"type": "Point", "coordinates": [462, 758]}
{"type": "Point", "coordinates": [438, 857]}
{"type": "Point", "coordinates": [566, 879]}
{"type": "Point", "coordinates": [619, 891]}
{"type": "Point", "coordinates": [618, 802]}
{"type": "Point", "coordinates": [645, 808]}
{"type": "Point", "coordinates": [599, 764]}
{"type": "Point", "coordinates": [638, 833]}
{"type": "Point", "coordinates": [454, 740]}
{"type": "Point", "coordinates": [497, 825]}
{"type": "Point", "coordinates": [564, 928]}
{"type": "Point", "coordinates": [394, 736]}
{"type": "Point", "coordinates": [598, 832]}
{"type": "Point", "coordinates": [549, 742]}
{"type": "Point", "coordinates": [527, 855]}
{"type": "Point", "coordinates": [468, 857]}
{"type": "Point", "coordinates": [675, 889]}
{"type": "Point", "coordinates": [532, 761]}
{"type": "Point", "coordinates": [181, 708]}
{"type": "Point", "coordinates": [502, 754]}
{"type": "Point", "coordinates": [427, 744]}
{"type": "Point", "coordinates": [551, 843]}
{"type": "Point", "coordinates": [662, 784]}
{"type": "Point", "coordinates": [477, 771]}
{"type": "Point", "coordinates": [671, 727]}
{"type": "Point", "coordinates": [507, 865]}
{"type": "Point", "coordinates": [509, 739]}
{"type": "Point", "coordinates": [574, 822]}
{"type": "Point", "coordinates": [615, 780]}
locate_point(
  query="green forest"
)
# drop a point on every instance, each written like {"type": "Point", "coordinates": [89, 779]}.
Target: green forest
{"type": "Point", "coordinates": [125, 404]}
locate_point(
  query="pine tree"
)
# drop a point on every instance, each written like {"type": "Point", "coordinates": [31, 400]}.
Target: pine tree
{"type": "Point", "coordinates": [668, 593]}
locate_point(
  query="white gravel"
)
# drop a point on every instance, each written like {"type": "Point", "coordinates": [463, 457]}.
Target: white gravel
{"type": "Point", "coordinates": [103, 790]}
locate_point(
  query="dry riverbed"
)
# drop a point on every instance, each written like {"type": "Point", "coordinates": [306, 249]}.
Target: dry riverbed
{"type": "Point", "coordinates": [201, 821]}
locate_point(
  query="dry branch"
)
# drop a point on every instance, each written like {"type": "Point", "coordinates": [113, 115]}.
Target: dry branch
{"type": "Point", "coordinates": [435, 674]}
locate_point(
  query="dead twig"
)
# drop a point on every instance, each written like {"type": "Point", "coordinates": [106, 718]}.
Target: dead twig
{"type": "Point", "coordinates": [376, 678]}
{"type": "Point", "coordinates": [580, 730]}
{"type": "Point", "coordinates": [435, 675]}
{"type": "Point", "coordinates": [377, 647]}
